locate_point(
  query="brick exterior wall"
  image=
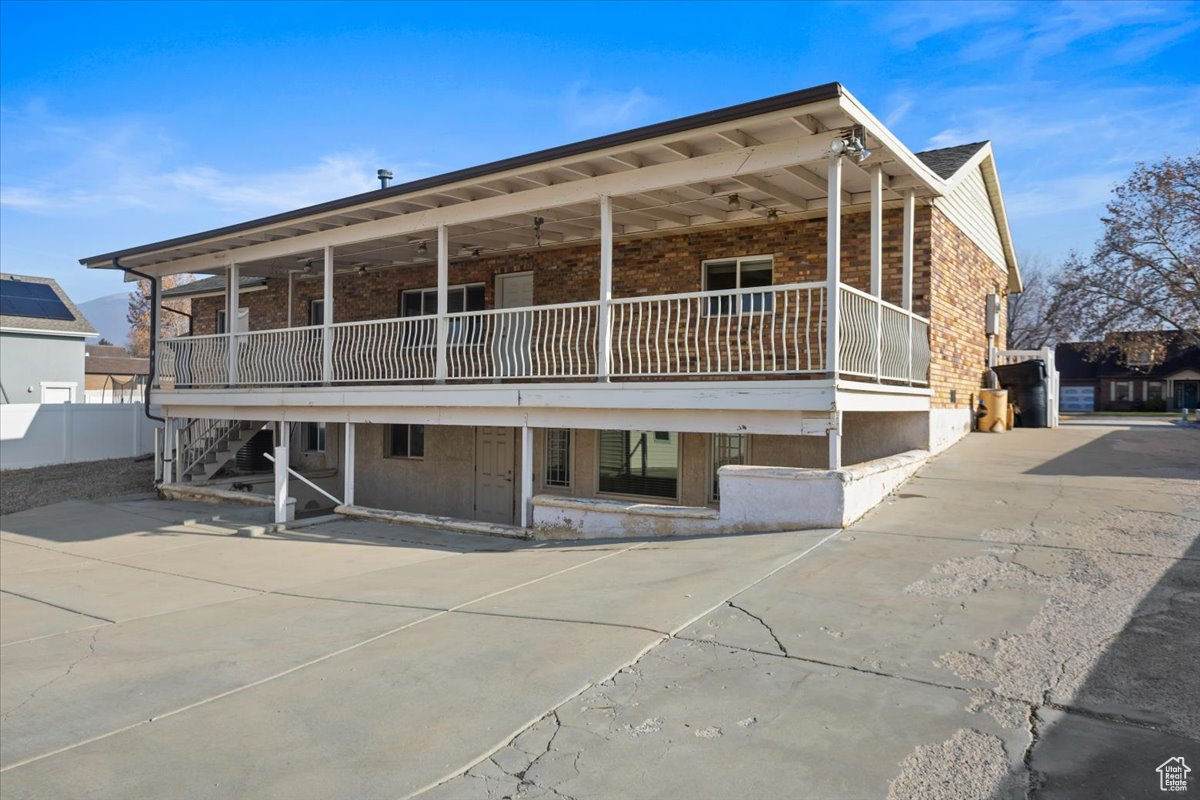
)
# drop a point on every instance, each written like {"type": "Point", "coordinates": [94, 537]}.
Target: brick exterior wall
{"type": "Point", "coordinates": [643, 265]}
{"type": "Point", "coordinates": [963, 276]}
{"type": "Point", "coordinates": [952, 293]}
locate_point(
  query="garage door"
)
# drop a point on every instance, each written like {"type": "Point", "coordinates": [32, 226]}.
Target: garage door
{"type": "Point", "coordinates": [1077, 398]}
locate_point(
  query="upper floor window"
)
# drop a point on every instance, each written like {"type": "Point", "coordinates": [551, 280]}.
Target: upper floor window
{"type": "Point", "coordinates": [221, 321]}
{"type": "Point", "coordinates": [423, 302]}
{"type": "Point", "coordinates": [316, 312]}
{"type": "Point", "coordinates": [747, 272]}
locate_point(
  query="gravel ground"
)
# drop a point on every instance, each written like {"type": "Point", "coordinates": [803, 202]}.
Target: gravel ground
{"type": "Point", "coordinates": [29, 488]}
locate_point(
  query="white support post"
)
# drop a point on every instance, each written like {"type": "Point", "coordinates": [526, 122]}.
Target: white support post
{"type": "Point", "coordinates": [283, 509]}
{"type": "Point", "coordinates": [164, 448]}
{"type": "Point", "coordinates": [443, 301]}
{"type": "Point", "coordinates": [291, 286]}
{"type": "Point", "coordinates": [877, 230]}
{"type": "Point", "coordinates": [327, 321]}
{"type": "Point", "coordinates": [604, 346]}
{"type": "Point", "coordinates": [232, 303]}
{"type": "Point", "coordinates": [835, 440]}
{"type": "Point", "coordinates": [877, 263]}
{"type": "Point", "coordinates": [906, 278]}
{"type": "Point", "coordinates": [833, 266]}
{"type": "Point", "coordinates": [906, 295]}
{"type": "Point", "coordinates": [177, 449]}
{"type": "Point", "coordinates": [348, 465]}
{"type": "Point", "coordinates": [526, 476]}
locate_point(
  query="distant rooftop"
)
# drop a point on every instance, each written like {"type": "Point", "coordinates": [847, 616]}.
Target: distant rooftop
{"type": "Point", "coordinates": [32, 303]}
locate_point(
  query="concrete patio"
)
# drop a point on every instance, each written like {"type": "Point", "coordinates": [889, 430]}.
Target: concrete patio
{"type": "Point", "coordinates": [1022, 617]}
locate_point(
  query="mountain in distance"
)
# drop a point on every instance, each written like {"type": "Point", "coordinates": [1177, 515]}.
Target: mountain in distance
{"type": "Point", "coordinates": [107, 315]}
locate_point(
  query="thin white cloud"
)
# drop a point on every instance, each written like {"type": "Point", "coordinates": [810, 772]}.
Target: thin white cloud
{"type": "Point", "coordinates": [95, 167]}
{"type": "Point", "coordinates": [585, 107]}
{"type": "Point", "coordinates": [1025, 35]}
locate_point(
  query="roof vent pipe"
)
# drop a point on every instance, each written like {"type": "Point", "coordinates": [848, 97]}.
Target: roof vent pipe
{"type": "Point", "coordinates": [385, 177]}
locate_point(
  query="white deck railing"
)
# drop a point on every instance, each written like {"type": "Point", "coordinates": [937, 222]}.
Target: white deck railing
{"type": "Point", "coordinates": [772, 330]}
{"type": "Point", "coordinates": [881, 341]}
{"type": "Point", "coordinates": [555, 341]}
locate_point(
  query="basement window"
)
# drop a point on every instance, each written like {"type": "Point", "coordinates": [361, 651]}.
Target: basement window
{"type": "Point", "coordinates": [639, 463]}
{"type": "Point", "coordinates": [558, 457]}
{"type": "Point", "coordinates": [406, 441]}
{"type": "Point", "coordinates": [727, 448]}
{"type": "Point", "coordinates": [314, 437]}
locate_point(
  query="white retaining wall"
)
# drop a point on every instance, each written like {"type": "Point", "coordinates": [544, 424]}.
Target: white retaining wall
{"type": "Point", "coordinates": [35, 435]}
{"type": "Point", "coordinates": [752, 499]}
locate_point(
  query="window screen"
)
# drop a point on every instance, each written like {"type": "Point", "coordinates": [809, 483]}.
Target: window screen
{"type": "Point", "coordinates": [727, 448]}
{"type": "Point", "coordinates": [639, 463]}
{"type": "Point", "coordinates": [558, 457]}
{"type": "Point", "coordinates": [406, 441]}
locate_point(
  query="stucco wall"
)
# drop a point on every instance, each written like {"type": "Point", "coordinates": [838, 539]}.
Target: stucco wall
{"type": "Point", "coordinates": [442, 483]}
{"type": "Point", "coordinates": [26, 361]}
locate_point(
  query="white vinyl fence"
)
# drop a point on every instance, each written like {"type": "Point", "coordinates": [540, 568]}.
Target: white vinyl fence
{"type": "Point", "coordinates": [34, 435]}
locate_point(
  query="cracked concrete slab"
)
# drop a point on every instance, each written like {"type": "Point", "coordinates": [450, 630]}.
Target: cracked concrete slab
{"type": "Point", "coordinates": [863, 601]}
{"type": "Point", "coordinates": [145, 668]}
{"type": "Point", "coordinates": [1019, 622]}
{"type": "Point", "coordinates": [700, 720]}
{"type": "Point", "coordinates": [22, 619]}
{"type": "Point", "coordinates": [396, 715]}
{"type": "Point", "coordinates": [659, 585]}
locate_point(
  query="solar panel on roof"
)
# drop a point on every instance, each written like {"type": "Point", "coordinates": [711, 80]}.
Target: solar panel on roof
{"type": "Point", "coordinates": [36, 300]}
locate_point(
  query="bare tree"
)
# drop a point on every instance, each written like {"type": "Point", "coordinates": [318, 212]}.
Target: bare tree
{"type": "Point", "coordinates": [1144, 273]}
{"type": "Point", "coordinates": [1034, 320]}
{"type": "Point", "coordinates": [138, 316]}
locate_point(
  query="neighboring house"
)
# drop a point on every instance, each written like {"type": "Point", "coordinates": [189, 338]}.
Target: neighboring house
{"type": "Point", "coordinates": [1162, 376]}
{"type": "Point", "coordinates": [41, 342]}
{"type": "Point", "coordinates": [111, 374]}
{"type": "Point", "coordinates": [638, 320]}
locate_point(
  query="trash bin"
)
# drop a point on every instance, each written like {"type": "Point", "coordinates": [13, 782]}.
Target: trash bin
{"type": "Point", "coordinates": [994, 410]}
{"type": "Point", "coordinates": [1026, 384]}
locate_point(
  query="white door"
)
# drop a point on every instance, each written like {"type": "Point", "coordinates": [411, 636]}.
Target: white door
{"type": "Point", "coordinates": [514, 331]}
{"type": "Point", "coordinates": [494, 475]}
{"type": "Point", "coordinates": [58, 392]}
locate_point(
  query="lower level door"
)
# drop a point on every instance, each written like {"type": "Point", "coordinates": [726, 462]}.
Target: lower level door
{"type": "Point", "coordinates": [494, 475]}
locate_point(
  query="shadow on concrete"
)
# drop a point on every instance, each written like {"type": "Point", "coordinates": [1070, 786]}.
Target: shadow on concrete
{"type": "Point", "coordinates": [1138, 707]}
{"type": "Point", "coordinates": [88, 521]}
{"type": "Point", "coordinates": [1141, 452]}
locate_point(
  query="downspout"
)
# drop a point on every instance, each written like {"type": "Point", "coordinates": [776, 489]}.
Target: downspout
{"type": "Point", "coordinates": [153, 334]}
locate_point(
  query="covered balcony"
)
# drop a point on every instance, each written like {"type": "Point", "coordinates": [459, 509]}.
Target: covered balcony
{"type": "Point", "coordinates": [780, 332]}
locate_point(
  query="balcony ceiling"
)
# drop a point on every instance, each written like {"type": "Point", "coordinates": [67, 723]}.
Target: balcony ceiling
{"type": "Point", "coordinates": [789, 189]}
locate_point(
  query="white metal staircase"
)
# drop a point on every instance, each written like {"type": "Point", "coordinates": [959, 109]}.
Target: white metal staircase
{"type": "Point", "coordinates": [207, 445]}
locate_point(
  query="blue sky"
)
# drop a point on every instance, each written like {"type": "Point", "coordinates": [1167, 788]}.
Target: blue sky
{"type": "Point", "coordinates": [126, 123]}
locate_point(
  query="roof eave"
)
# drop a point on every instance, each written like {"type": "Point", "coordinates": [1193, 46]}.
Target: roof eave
{"type": "Point", "coordinates": [803, 97]}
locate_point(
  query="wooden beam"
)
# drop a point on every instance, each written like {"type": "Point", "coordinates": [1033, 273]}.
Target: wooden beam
{"type": "Point", "coordinates": [739, 138]}
{"type": "Point", "coordinates": [808, 123]}
{"type": "Point", "coordinates": [694, 172]}
{"type": "Point", "coordinates": [775, 191]}
{"type": "Point", "coordinates": [678, 148]}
